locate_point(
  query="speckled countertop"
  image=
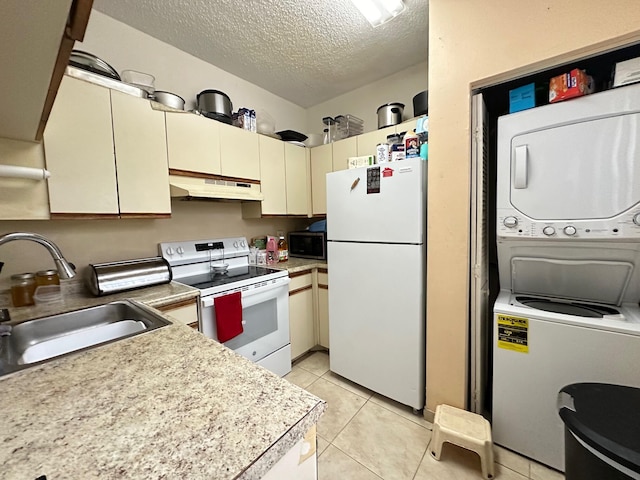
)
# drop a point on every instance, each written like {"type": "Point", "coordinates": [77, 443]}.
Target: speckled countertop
{"type": "Point", "coordinates": [294, 265]}
{"type": "Point", "coordinates": [170, 403]}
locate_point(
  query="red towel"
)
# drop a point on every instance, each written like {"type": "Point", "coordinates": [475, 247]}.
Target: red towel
{"type": "Point", "coordinates": [228, 316]}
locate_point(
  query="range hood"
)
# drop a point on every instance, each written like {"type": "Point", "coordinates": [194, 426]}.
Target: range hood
{"type": "Point", "coordinates": [214, 188]}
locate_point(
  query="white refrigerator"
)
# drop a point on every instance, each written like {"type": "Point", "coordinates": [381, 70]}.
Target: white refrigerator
{"type": "Point", "coordinates": [376, 232]}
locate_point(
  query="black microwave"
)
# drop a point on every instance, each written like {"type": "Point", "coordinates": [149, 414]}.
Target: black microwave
{"type": "Point", "coordinates": [307, 244]}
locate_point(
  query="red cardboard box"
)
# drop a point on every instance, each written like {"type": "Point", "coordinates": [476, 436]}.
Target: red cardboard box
{"type": "Point", "coordinates": [569, 85]}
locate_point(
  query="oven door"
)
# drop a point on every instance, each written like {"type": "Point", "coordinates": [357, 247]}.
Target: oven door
{"type": "Point", "coordinates": [265, 319]}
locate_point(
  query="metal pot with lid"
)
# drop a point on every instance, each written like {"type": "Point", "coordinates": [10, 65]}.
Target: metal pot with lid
{"type": "Point", "coordinates": [390, 114]}
{"type": "Point", "coordinates": [215, 104]}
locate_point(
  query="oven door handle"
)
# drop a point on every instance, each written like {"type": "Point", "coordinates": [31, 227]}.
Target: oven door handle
{"type": "Point", "coordinates": [208, 301]}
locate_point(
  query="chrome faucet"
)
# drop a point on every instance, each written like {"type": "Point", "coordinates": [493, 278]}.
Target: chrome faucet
{"type": "Point", "coordinates": [64, 269]}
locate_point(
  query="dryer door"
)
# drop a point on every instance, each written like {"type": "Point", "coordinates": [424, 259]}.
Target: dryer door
{"type": "Point", "coordinates": [583, 170]}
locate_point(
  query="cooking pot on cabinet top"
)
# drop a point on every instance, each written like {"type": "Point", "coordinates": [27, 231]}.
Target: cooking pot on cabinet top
{"type": "Point", "coordinates": [215, 104]}
{"type": "Point", "coordinates": [169, 99]}
{"type": "Point", "coordinates": [390, 114]}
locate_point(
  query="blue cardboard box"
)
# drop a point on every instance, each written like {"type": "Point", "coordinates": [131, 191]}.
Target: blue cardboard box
{"type": "Point", "coordinates": [522, 98]}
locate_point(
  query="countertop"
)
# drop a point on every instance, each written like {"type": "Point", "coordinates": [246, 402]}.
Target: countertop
{"type": "Point", "coordinates": [170, 403]}
{"type": "Point", "coordinates": [294, 265]}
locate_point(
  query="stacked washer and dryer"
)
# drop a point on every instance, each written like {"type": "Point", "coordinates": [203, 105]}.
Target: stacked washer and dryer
{"type": "Point", "coordinates": [568, 242]}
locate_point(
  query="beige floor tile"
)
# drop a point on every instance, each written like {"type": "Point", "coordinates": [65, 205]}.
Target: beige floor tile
{"type": "Point", "coordinates": [402, 410]}
{"type": "Point", "coordinates": [459, 464]}
{"type": "Point", "coordinates": [384, 442]}
{"type": "Point", "coordinates": [541, 472]}
{"type": "Point", "coordinates": [342, 405]}
{"type": "Point", "coordinates": [347, 384]}
{"type": "Point", "coordinates": [511, 460]}
{"type": "Point", "coordinates": [335, 465]}
{"type": "Point", "coordinates": [316, 363]}
{"type": "Point", "coordinates": [300, 377]}
{"type": "Point", "coordinates": [322, 444]}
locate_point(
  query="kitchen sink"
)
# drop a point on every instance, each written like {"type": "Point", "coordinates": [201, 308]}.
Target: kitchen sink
{"type": "Point", "coordinates": [37, 341]}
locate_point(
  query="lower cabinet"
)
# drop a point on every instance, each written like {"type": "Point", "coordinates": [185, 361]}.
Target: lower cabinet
{"type": "Point", "coordinates": [308, 310]}
{"type": "Point", "coordinates": [323, 307]}
{"type": "Point", "coordinates": [299, 463]}
{"type": "Point", "coordinates": [301, 308]}
{"type": "Point", "coordinates": [184, 312]}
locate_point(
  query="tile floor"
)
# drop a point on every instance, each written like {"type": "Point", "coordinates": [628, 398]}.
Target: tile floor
{"type": "Point", "coordinates": [364, 436]}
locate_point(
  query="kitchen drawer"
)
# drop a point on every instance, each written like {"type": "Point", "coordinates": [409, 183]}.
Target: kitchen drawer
{"type": "Point", "coordinates": [300, 280]}
{"type": "Point", "coordinates": [323, 278]}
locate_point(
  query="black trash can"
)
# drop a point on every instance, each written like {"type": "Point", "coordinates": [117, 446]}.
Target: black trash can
{"type": "Point", "coordinates": [602, 431]}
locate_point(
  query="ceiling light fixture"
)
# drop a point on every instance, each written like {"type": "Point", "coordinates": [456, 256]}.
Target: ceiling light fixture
{"type": "Point", "coordinates": [379, 11]}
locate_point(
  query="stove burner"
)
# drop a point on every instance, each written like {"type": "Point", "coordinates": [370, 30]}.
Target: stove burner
{"type": "Point", "coordinates": [232, 275]}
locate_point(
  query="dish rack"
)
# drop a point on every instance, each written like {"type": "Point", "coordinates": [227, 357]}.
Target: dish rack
{"type": "Point", "coordinates": [348, 126]}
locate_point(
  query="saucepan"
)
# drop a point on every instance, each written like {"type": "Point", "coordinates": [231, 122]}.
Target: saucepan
{"type": "Point", "coordinates": [169, 99]}
{"type": "Point", "coordinates": [215, 104]}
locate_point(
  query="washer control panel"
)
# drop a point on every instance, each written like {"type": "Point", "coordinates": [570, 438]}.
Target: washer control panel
{"type": "Point", "coordinates": [512, 224]}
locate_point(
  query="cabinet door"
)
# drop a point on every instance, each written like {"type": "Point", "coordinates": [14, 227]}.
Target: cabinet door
{"type": "Point", "coordinates": [239, 152]}
{"type": "Point", "coordinates": [272, 184]}
{"type": "Point", "coordinates": [342, 150]}
{"type": "Point", "coordinates": [297, 175]}
{"type": "Point", "coordinates": [301, 330]}
{"type": "Point", "coordinates": [367, 142]}
{"type": "Point", "coordinates": [407, 125]}
{"type": "Point", "coordinates": [78, 143]}
{"type": "Point", "coordinates": [323, 309]}
{"type": "Point", "coordinates": [184, 312]}
{"type": "Point", "coordinates": [193, 143]}
{"type": "Point", "coordinates": [141, 156]}
{"type": "Point", "coordinates": [321, 164]}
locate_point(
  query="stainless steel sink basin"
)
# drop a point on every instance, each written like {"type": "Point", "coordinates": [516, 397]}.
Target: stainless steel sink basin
{"type": "Point", "coordinates": [37, 341]}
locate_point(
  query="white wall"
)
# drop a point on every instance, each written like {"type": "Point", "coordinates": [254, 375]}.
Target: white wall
{"type": "Point", "coordinates": [126, 48]}
{"type": "Point", "coordinates": [364, 101]}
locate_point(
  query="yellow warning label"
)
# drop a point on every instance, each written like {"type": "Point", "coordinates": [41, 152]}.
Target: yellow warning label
{"type": "Point", "coordinates": [513, 333]}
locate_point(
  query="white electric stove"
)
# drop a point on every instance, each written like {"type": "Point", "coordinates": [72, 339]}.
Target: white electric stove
{"type": "Point", "coordinates": [219, 267]}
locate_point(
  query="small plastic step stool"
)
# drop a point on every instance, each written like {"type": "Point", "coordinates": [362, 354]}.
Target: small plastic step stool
{"type": "Point", "coordinates": [464, 429]}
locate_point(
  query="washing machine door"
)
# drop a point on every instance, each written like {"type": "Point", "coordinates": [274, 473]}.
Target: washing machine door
{"type": "Point", "coordinates": [583, 170]}
{"type": "Point", "coordinates": [582, 280]}
{"type": "Point", "coordinates": [567, 308]}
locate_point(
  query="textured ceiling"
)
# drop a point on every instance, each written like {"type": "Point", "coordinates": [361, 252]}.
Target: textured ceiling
{"type": "Point", "coordinates": [306, 51]}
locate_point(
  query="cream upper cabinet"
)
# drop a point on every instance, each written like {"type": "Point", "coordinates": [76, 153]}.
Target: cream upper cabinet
{"type": "Point", "coordinates": [321, 164]}
{"type": "Point", "coordinates": [193, 143]}
{"type": "Point", "coordinates": [407, 125]}
{"type": "Point", "coordinates": [79, 151]}
{"type": "Point", "coordinates": [342, 150]}
{"type": "Point", "coordinates": [273, 182]}
{"type": "Point", "coordinates": [298, 181]}
{"type": "Point", "coordinates": [141, 156]}
{"type": "Point", "coordinates": [239, 152]}
{"type": "Point", "coordinates": [367, 142]}
{"type": "Point", "coordinates": [106, 152]}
